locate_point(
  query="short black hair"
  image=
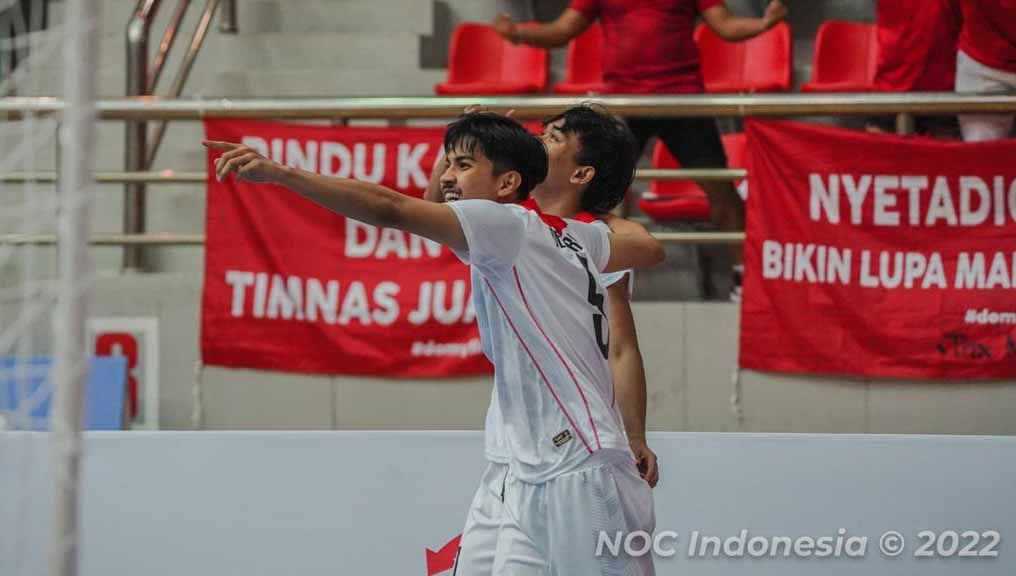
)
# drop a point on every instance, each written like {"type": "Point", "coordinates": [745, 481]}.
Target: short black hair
{"type": "Point", "coordinates": [608, 145]}
{"type": "Point", "coordinates": [505, 142]}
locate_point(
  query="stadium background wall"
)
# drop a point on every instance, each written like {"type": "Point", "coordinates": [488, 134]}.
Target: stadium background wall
{"type": "Point", "coordinates": [690, 348]}
{"type": "Point", "coordinates": [690, 351]}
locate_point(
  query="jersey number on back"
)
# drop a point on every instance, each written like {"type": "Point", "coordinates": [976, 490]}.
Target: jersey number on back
{"type": "Point", "coordinates": [596, 299]}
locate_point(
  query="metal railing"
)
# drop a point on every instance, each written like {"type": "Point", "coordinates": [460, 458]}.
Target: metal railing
{"type": "Point", "coordinates": [139, 153]}
{"type": "Point", "coordinates": [199, 239]}
{"type": "Point", "coordinates": [931, 104]}
{"type": "Point", "coordinates": [173, 177]}
{"type": "Point", "coordinates": [904, 106]}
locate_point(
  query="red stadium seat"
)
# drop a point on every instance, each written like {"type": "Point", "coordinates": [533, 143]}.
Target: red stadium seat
{"type": "Point", "coordinates": [846, 58]}
{"type": "Point", "coordinates": [762, 64]}
{"type": "Point", "coordinates": [684, 200]}
{"type": "Point", "coordinates": [481, 62]}
{"type": "Point", "coordinates": [585, 74]}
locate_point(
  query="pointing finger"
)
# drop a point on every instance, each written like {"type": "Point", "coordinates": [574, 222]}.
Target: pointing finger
{"type": "Point", "coordinates": [220, 146]}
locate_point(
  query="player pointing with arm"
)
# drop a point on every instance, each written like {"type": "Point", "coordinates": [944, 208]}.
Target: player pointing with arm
{"type": "Point", "coordinates": [541, 312]}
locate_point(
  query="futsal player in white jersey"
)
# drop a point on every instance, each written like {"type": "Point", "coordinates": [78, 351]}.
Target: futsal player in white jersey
{"type": "Point", "coordinates": [592, 159]}
{"type": "Point", "coordinates": [540, 309]}
{"type": "Point", "coordinates": [570, 472]}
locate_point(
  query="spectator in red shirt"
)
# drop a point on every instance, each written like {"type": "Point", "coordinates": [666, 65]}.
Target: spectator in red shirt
{"type": "Point", "coordinates": [648, 49]}
{"type": "Point", "coordinates": [986, 63]}
{"type": "Point", "coordinates": [917, 45]}
{"type": "Point", "coordinates": [917, 53]}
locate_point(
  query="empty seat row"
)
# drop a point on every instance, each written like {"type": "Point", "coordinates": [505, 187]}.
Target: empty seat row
{"type": "Point", "coordinates": [846, 53]}
{"type": "Point", "coordinates": [684, 200]}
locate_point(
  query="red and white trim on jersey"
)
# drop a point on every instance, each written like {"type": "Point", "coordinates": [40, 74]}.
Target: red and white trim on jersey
{"type": "Point", "coordinates": [555, 222]}
{"type": "Point", "coordinates": [539, 369]}
{"type": "Point", "coordinates": [585, 402]}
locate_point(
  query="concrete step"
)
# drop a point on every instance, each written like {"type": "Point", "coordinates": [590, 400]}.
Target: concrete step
{"type": "Point", "coordinates": [114, 14]}
{"type": "Point", "coordinates": [14, 156]}
{"type": "Point", "coordinates": [382, 17]}
{"type": "Point", "coordinates": [27, 146]}
{"type": "Point", "coordinates": [393, 52]}
{"type": "Point", "coordinates": [319, 65]}
{"type": "Point", "coordinates": [254, 16]}
{"type": "Point", "coordinates": [46, 50]}
{"type": "Point", "coordinates": [296, 83]}
{"type": "Point", "coordinates": [48, 81]}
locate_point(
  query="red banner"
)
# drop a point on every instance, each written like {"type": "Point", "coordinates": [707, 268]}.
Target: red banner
{"type": "Point", "coordinates": [875, 255]}
{"type": "Point", "coordinates": [290, 286]}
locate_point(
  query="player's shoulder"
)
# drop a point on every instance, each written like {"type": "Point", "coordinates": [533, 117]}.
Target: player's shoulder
{"type": "Point", "coordinates": [485, 204]}
{"type": "Point", "coordinates": [511, 209]}
{"type": "Point", "coordinates": [592, 219]}
{"type": "Point", "coordinates": [489, 209]}
{"type": "Point", "coordinates": [587, 225]}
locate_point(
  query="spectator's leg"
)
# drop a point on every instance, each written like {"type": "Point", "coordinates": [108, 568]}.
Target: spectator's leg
{"type": "Point", "coordinates": [643, 129]}
{"type": "Point", "coordinates": [695, 142]}
{"type": "Point", "coordinates": [974, 77]}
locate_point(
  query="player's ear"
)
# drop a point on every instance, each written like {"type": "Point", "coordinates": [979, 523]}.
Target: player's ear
{"type": "Point", "coordinates": [583, 175]}
{"type": "Point", "coordinates": [508, 186]}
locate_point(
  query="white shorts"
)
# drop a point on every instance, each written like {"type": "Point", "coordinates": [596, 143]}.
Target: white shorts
{"type": "Point", "coordinates": [974, 77]}
{"type": "Point", "coordinates": [553, 528]}
{"type": "Point", "coordinates": [483, 523]}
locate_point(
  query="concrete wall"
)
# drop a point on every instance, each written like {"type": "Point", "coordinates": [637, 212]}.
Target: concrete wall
{"type": "Point", "coordinates": [690, 351]}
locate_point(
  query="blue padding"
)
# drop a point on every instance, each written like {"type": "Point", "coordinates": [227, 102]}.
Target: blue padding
{"type": "Point", "coordinates": [26, 393]}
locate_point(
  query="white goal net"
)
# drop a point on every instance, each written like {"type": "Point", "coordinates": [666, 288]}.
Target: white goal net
{"type": "Point", "coordinates": [45, 277]}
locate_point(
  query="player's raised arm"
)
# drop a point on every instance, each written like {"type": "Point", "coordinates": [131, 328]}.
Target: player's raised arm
{"type": "Point", "coordinates": [628, 247]}
{"type": "Point", "coordinates": [633, 249]}
{"type": "Point", "coordinates": [361, 201]}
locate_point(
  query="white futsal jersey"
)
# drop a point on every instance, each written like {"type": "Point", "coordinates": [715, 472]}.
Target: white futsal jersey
{"type": "Point", "coordinates": [495, 446]}
{"type": "Point", "coordinates": [540, 307]}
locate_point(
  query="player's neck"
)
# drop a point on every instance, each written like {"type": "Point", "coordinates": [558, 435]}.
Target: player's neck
{"type": "Point", "coordinates": [566, 204]}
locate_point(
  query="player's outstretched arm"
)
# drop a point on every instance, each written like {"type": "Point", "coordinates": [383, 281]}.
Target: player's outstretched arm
{"type": "Point", "coordinates": [354, 199]}
{"type": "Point", "coordinates": [632, 246]}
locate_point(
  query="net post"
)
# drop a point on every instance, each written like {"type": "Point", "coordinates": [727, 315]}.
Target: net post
{"type": "Point", "coordinates": [76, 139]}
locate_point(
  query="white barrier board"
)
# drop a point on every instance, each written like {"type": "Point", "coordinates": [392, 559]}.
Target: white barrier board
{"type": "Point", "coordinates": [372, 503]}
